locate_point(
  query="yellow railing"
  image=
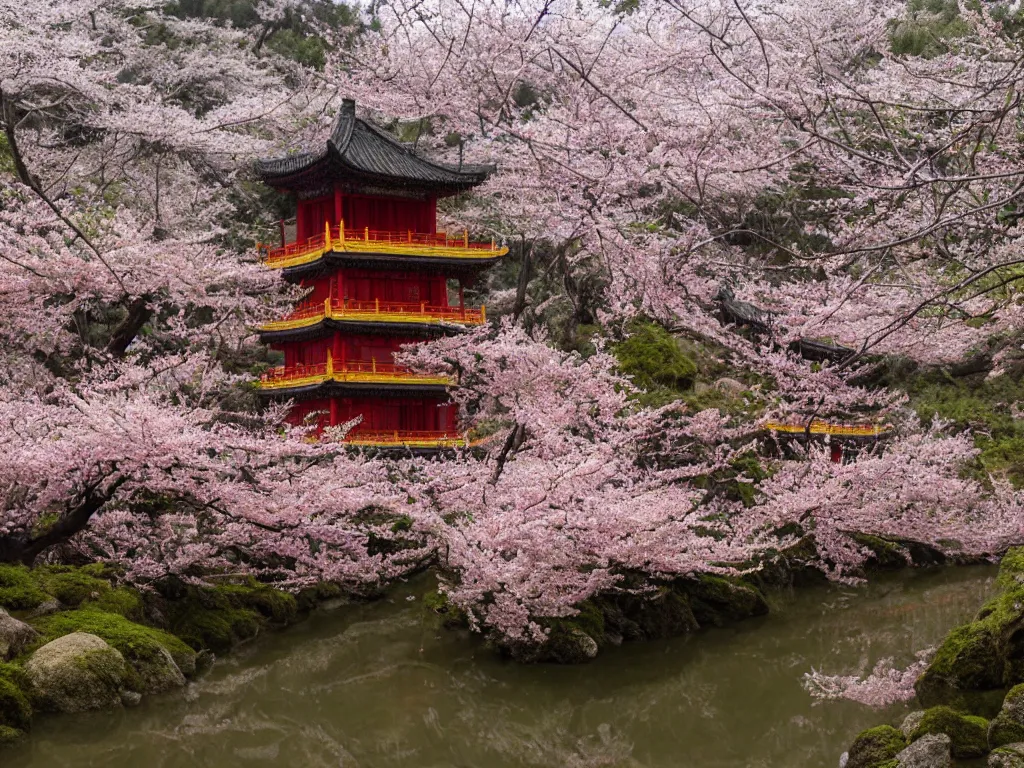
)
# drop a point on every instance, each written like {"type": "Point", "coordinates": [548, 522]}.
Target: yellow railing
{"type": "Point", "coordinates": [354, 371]}
{"type": "Point", "coordinates": [829, 428]}
{"type": "Point", "coordinates": [376, 311]}
{"type": "Point", "coordinates": [341, 240]}
{"type": "Point", "coordinates": [397, 438]}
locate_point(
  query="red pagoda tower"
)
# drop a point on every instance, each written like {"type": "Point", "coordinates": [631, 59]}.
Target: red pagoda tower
{"type": "Point", "coordinates": [378, 275]}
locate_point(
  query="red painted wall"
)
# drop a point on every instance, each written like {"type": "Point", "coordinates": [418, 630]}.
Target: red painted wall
{"type": "Point", "coordinates": [368, 285]}
{"type": "Point", "coordinates": [379, 414]}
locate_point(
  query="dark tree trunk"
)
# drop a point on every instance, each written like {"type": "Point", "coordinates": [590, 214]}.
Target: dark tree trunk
{"type": "Point", "coordinates": [24, 547]}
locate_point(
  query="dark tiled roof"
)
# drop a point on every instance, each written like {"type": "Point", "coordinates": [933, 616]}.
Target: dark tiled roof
{"type": "Point", "coordinates": [361, 148]}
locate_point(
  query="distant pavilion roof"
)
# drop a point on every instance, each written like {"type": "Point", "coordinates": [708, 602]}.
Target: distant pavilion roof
{"type": "Point", "coordinates": [365, 154]}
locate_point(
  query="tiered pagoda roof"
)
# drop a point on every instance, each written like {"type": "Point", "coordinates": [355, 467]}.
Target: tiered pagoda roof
{"type": "Point", "coordinates": [362, 154]}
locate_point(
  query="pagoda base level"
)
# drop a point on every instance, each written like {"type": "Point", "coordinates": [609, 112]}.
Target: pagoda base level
{"type": "Point", "coordinates": [384, 421]}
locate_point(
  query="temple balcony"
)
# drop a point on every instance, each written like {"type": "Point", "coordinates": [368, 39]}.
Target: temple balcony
{"type": "Point", "coordinates": [340, 239]}
{"type": "Point", "coordinates": [832, 429]}
{"type": "Point", "coordinates": [349, 372]}
{"type": "Point", "coordinates": [406, 439]}
{"type": "Point", "coordinates": [376, 311]}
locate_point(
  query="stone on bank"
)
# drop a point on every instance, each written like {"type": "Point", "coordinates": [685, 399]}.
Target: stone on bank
{"type": "Point", "coordinates": [78, 672]}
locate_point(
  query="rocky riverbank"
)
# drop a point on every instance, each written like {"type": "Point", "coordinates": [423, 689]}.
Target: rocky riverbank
{"type": "Point", "coordinates": [973, 692]}
{"type": "Point", "coordinates": [71, 640]}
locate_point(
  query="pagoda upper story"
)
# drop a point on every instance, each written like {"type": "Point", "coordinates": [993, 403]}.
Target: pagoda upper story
{"type": "Point", "coordinates": [365, 198]}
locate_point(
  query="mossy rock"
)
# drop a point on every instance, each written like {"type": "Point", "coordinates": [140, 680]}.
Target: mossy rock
{"type": "Point", "coordinates": [885, 555]}
{"type": "Point", "coordinates": [218, 618]}
{"type": "Point", "coordinates": [1004, 730]}
{"type": "Point", "coordinates": [653, 358]}
{"type": "Point", "coordinates": [122, 601]}
{"type": "Point", "coordinates": [311, 597]}
{"type": "Point", "coordinates": [568, 644]}
{"type": "Point", "coordinates": [9, 736]}
{"type": "Point", "coordinates": [452, 617]}
{"type": "Point", "coordinates": [1011, 569]}
{"type": "Point", "coordinates": [874, 747]}
{"type": "Point", "coordinates": [968, 733]}
{"type": "Point", "coordinates": [716, 600]}
{"type": "Point", "coordinates": [1008, 756]}
{"type": "Point", "coordinates": [15, 710]}
{"type": "Point", "coordinates": [665, 612]}
{"type": "Point", "coordinates": [140, 645]}
{"type": "Point", "coordinates": [78, 672]}
{"type": "Point", "coordinates": [72, 586]}
{"type": "Point", "coordinates": [1008, 725]}
{"type": "Point", "coordinates": [18, 589]}
{"type": "Point", "coordinates": [983, 655]}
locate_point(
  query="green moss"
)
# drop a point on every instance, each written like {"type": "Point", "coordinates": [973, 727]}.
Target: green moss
{"type": "Point", "coordinates": [217, 629]}
{"type": "Point", "coordinates": [717, 600]}
{"type": "Point", "coordinates": [15, 710]}
{"type": "Point", "coordinates": [10, 735]}
{"type": "Point", "coordinates": [122, 601]}
{"type": "Point", "coordinates": [273, 604]}
{"type": "Point", "coordinates": [18, 589]}
{"type": "Point", "coordinates": [220, 617]}
{"type": "Point", "coordinates": [72, 586]}
{"type": "Point", "coordinates": [653, 358]}
{"type": "Point", "coordinates": [974, 656]}
{"type": "Point", "coordinates": [1004, 730]}
{"type": "Point", "coordinates": [310, 597]}
{"type": "Point", "coordinates": [1011, 569]}
{"type": "Point", "coordinates": [137, 643]}
{"type": "Point", "coordinates": [969, 734]}
{"type": "Point", "coordinates": [984, 408]}
{"type": "Point", "coordinates": [875, 746]}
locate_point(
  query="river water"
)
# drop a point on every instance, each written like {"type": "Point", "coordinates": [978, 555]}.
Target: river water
{"type": "Point", "coordinates": [381, 686]}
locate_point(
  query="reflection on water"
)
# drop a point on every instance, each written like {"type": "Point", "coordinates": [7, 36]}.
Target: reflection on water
{"type": "Point", "coordinates": [380, 686]}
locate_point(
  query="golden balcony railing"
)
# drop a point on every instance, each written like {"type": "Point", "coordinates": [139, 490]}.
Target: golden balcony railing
{"type": "Point", "coordinates": [378, 312]}
{"type": "Point", "coordinates": [830, 428]}
{"type": "Point", "coordinates": [399, 438]}
{"type": "Point", "coordinates": [339, 239]}
{"type": "Point", "coordinates": [352, 371]}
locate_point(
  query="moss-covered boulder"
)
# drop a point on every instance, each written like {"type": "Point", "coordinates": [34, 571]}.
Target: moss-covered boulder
{"type": "Point", "coordinates": [968, 733]}
{"type": "Point", "coordinates": [1008, 726]}
{"type": "Point", "coordinates": [78, 672]}
{"type": "Point", "coordinates": [875, 747]}
{"type": "Point", "coordinates": [653, 358]}
{"type": "Point", "coordinates": [15, 709]}
{"type": "Point", "coordinates": [10, 735]}
{"type": "Point", "coordinates": [15, 636]}
{"type": "Point", "coordinates": [1008, 756]}
{"type": "Point", "coordinates": [716, 600]}
{"type": "Point", "coordinates": [219, 618]}
{"type": "Point", "coordinates": [19, 590]}
{"type": "Point", "coordinates": [146, 649]}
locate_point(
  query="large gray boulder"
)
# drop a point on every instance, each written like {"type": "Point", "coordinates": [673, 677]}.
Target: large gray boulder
{"type": "Point", "coordinates": [15, 636]}
{"type": "Point", "coordinates": [931, 751]}
{"type": "Point", "coordinates": [78, 672]}
{"type": "Point", "coordinates": [1007, 756]}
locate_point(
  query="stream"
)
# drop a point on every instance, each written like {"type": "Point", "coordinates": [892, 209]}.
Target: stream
{"type": "Point", "coordinates": [380, 685]}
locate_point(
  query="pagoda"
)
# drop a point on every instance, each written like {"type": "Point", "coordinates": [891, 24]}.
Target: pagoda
{"type": "Point", "coordinates": [377, 275]}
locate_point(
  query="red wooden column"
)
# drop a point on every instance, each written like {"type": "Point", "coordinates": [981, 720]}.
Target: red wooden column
{"type": "Point", "coordinates": [337, 204]}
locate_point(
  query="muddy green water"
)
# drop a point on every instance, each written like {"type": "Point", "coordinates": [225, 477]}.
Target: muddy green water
{"type": "Point", "coordinates": [381, 686]}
